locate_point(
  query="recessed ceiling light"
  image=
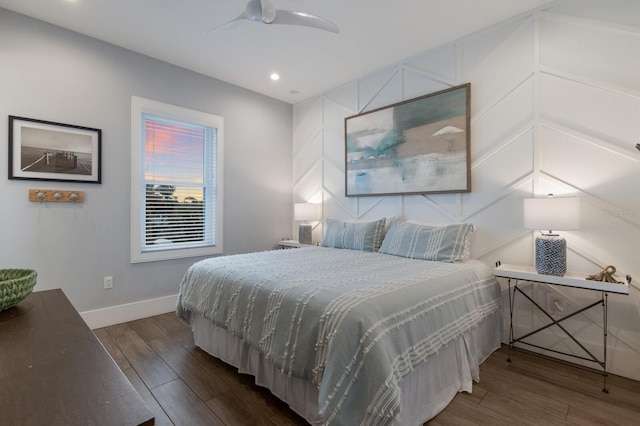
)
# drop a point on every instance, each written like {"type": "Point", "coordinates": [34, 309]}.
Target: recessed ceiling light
{"type": "Point", "coordinates": [275, 76]}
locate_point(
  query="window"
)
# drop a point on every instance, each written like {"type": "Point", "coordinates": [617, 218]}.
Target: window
{"type": "Point", "coordinates": [176, 182]}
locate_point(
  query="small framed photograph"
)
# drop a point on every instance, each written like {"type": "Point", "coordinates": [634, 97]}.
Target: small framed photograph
{"type": "Point", "coordinates": [44, 150]}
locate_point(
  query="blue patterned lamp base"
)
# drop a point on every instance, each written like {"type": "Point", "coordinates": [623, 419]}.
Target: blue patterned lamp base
{"type": "Point", "coordinates": [551, 255]}
{"type": "Point", "coordinates": [304, 234]}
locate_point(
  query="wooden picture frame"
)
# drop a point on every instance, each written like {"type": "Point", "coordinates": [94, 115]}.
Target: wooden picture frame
{"type": "Point", "coordinates": [417, 146]}
{"type": "Point", "coordinates": [44, 150]}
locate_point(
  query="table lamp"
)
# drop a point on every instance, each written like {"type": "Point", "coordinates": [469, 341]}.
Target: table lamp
{"type": "Point", "coordinates": [548, 215]}
{"type": "Point", "coordinates": [306, 212]}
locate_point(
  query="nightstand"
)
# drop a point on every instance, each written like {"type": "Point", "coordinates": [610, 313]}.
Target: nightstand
{"type": "Point", "coordinates": [287, 244]}
{"type": "Point", "coordinates": [518, 273]}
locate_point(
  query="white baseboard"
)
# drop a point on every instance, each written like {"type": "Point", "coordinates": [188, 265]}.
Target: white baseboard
{"type": "Point", "coordinates": [129, 312]}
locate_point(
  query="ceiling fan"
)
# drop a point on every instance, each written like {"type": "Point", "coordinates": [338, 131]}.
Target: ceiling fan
{"type": "Point", "coordinates": [263, 11]}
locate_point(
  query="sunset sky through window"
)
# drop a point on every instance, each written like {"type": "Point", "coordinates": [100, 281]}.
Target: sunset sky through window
{"type": "Point", "coordinates": [174, 156]}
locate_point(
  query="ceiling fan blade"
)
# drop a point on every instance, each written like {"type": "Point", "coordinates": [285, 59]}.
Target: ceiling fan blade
{"type": "Point", "coordinates": [227, 26]}
{"type": "Point", "coordinates": [288, 17]}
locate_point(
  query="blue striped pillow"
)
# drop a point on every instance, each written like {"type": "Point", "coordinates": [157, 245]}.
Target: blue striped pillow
{"type": "Point", "coordinates": [447, 243]}
{"type": "Point", "coordinates": [365, 236]}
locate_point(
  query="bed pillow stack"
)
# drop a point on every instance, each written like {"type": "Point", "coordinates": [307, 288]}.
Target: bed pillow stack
{"type": "Point", "coordinates": [447, 243]}
{"type": "Point", "coordinates": [365, 236]}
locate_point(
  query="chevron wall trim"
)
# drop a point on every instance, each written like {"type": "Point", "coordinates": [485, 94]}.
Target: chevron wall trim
{"type": "Point", "coordinates": [555, 103]}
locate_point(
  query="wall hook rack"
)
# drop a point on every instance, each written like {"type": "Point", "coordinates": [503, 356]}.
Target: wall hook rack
{"type": "Point", "coordinates": [55, 195]}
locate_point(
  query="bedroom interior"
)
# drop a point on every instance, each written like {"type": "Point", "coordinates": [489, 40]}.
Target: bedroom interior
{"type": "Point", "coordinates": [555, 108]}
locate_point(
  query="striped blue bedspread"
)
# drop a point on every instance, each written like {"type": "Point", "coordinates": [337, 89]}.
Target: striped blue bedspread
{"type": "Point", "coordinates": [353, 323]}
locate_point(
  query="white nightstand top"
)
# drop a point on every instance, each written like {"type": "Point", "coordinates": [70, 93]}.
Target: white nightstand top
{"type": "Point", "coordinates": [289, 243]}
{"type": "Point", "coordinates": [293, 243]}
{"type": "Point", "coordinates": [528, 273]}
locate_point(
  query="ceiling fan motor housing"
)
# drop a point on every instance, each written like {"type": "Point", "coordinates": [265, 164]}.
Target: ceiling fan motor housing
{"type": "Point", "coordinates": [264, 12]}
{"type": "Point", "coordinates": [260, 10]}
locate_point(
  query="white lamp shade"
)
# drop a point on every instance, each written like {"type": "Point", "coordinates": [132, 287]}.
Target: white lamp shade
{"type": "Point", "coordinates": [557, 214]}
{"type": "Point", "coordinates": [306, 211]}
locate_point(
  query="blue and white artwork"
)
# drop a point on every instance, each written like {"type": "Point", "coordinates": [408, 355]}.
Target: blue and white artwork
{"type": "Point", "coordinates": [413, 147]}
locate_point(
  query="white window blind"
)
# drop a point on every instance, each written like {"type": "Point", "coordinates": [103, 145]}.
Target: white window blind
{"type": "Point", "coordinates": [177, 206]}
{"type": "Point", "coordinates": [177, 156]}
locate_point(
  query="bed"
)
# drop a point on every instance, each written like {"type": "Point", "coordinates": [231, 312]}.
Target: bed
{"type": "Point", "coordinates": [359, 331]}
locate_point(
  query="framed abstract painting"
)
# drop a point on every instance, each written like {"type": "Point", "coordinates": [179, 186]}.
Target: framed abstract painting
{"type": "Point", "coordinates": [417, 146]}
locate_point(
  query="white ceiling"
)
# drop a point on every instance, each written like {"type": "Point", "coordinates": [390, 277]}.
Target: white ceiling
{"type": "Point", "coordinates": [373, 34]}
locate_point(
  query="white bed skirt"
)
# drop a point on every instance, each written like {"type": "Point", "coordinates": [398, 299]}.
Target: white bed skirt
{"type": "Point", "coordinates": [425, 392]}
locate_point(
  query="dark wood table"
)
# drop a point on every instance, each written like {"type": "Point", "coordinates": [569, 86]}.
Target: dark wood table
{"type": "Point", "coordinates": [54, 371]}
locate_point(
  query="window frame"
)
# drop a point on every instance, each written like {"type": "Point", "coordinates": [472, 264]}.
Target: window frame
{"type": "Point", "coordinates": [139, 107]}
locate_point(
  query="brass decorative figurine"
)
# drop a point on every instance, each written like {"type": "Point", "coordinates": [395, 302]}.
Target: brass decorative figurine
{"type": "Point", "coordinates": [606, 275]}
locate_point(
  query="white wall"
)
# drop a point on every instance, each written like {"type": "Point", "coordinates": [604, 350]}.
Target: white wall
{"type": "Point", "coordinates": [49, 73]}
{"type": "Point", "coordinates": [555, 108]}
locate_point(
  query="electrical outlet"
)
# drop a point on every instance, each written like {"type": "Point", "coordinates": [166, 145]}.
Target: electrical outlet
{"type": "Point", "coordinates": [108, 282]}
{"type": "Point", "coordinates": [558, 306]}
{"type": "Point", "coordinates": [555, 304]}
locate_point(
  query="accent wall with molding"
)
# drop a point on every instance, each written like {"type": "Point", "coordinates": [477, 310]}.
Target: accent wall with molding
{"type": "Point", "coordinates": [555, 108]}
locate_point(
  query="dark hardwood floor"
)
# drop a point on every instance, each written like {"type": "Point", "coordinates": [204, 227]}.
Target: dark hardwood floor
{"type": "Point", "coordinates": [183, 385]}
